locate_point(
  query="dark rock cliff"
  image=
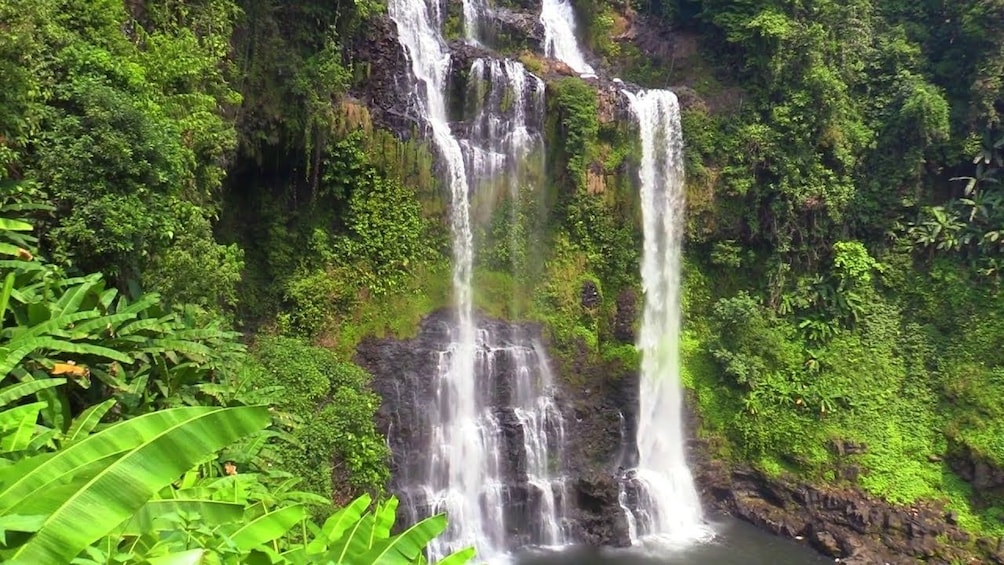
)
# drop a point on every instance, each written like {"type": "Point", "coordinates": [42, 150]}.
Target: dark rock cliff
{"type": "Point", "coordinates": [404, 373]}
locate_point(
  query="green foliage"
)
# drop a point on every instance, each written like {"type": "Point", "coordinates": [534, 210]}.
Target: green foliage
{"type": "Point", "coordinates": [225, 519]}
{"type": "Point", "coordinates": [196, 270]}
{"type": "Point", "coordinates": [597, 21]}
{"type": "Point", "coordinates": [336, 447]}
{"type": "Point", "coordinates": [75, 490]}
{"type": "Point", "coordinates": [573, 109]}
{"type": "Point", "coordinates": [127, 137]}
{"type": "Point", "coordinates": [909, 383]}
{"type": "Point", "coordinates": [146, 467]}
{"type": "Point", "coordinates": [388, 234]}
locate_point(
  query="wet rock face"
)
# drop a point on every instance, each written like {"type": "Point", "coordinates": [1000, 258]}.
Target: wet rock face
{"type": "Point", "coordinates": [627, 313]}
{"type": "Point", "coordinates": [590, 295]}
{"type": "Point", "coordinates": [598, 519]}
{"type": "Point", "coordinates": [404, 374]}
{"type": "Point", "coordinates": [387, 88]}
{"type": "Point", "coordinates": [986, 477]}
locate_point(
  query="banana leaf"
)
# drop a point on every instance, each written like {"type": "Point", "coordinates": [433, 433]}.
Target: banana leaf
{"type": "Point", "coordinates": [127, 484]}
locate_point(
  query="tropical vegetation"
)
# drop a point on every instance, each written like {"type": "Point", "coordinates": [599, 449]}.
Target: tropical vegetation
{"type": "Point", "coordinates": [203, 212]}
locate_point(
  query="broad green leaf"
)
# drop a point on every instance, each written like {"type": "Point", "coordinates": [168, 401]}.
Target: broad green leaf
{"type": "Point", "coordinates": [213, 514]}
{"type": "Point", "coordinates": [460, 557]}
{"type": "Point", "coordinates": [41, 440]}
{"type": "Point", "coordinates": [124, 486]}
{"type": "Point", "coordinates": [267, 527]}
{"type": "Point", "coordinates": [12, 354]}
{"type": "Point", "coordinates": [190, 557]}
{"type": "Point", "coordinates": [71, 300]}
{"type": "Point", "coordinates": [107, 297]}
{"type": "Point", "coordinates": [406, 546]}
{"type": "Point", "coordinates": [20, 438]}
{"type": "Point", "coordinates": [355, 542]}
{"type": "Point", "coordinates": [142, 325]}
{"type": "Point", "coordinates": [87, 421]}
{"type": "Point", "coordinates": [386, 513]}
{"type": "Point", "coordinates": [101, 324]}
{"type": "Point", "coordinates": [337, 523]}
{"type": "Point", "coordinates": [8, 286]}
{"type": "Point", "coordinates": [14, 225]}
{"type": "Point", "coordinates": [11, 419]}
{"type": "Point", "coordinates": [28, 477]}
{"type": "Point", "coordinates": [19, 523]}
{"type": "Point", "coordinates": [8, 249]}
{"type": "Point", "coordinates": [87, 349]}
{"type": "Point", "coordinates": [297, 556]}
{"type": "Point", "coordinates": [50, 325]}
{"type": "Point", "coordinates": [20, 390]}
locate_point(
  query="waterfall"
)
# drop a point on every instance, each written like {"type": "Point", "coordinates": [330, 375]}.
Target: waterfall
{"type": "Point", "coordinates": [622, 493]}
{"type": "Point", "coordinates": [560, 42]}
{"type": "Point", "coordinates": [665, 498]}
{"type": "Point", "coordinates": [507, 98]}
{"type": "Point", "coordinates": [474, 14]}
{"type": "Point", "coordinates": [491, 428]}
{"type": "Point", "coordinates": [460, 469]}
{"type": "Point", "coordinates": [668, 504]}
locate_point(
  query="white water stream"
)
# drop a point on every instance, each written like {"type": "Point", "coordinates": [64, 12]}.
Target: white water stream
{"type": "Point", "coordinates": [560, 42]}
{"type": "Point", "coordinates": [461, 466]}
{"type": "Point", "coordinates": [668, 506]}
{"type": "Point", "coordinates": [493, 388]}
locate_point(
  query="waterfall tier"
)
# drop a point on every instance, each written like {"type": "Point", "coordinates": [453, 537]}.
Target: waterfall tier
{"type": "Point", "coordinates": [560, 42]}
{"type": "Point", "coordinates": [524, 498]}
{"type": "Point", "coordinates": [489, 433]}
{"type": "Point", "coordinates": [667, 500]}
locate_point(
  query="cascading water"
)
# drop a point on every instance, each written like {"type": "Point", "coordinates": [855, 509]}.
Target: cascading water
{"type": "Point", "coordinates": [493, 428]}
{"type": "Point", "coordinates": [560, 42]}
{"type": "Point", "coordinates": [668, 504]}
{"type": "Point", "coordinates": [474, 13]}
{"type": "Point", "coordinates": [543, 438]}
{"type": "Point", "coordinates": [460, 467]}
{"type": "Point", "coordinates": [622, 494]}
{"type": "Point", "coordinates": [509, 102]}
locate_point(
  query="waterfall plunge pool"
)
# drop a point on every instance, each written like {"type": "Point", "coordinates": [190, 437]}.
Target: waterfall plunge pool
{"type": "Point", "coordinates": [735, 543]}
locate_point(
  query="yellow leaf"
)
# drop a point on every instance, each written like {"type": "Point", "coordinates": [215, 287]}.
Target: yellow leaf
{"type": "Point", "coordinates": [69, 369]}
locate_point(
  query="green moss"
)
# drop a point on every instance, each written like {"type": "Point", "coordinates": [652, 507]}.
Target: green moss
{"type": "Point", "coordinates": [905, 381]}
{"type": "Point", "coordinates": [625, 354]}
{"type": "Point", "coordinates": [573, 119]}
{"type": "Point", "coordinates": [396, 314]}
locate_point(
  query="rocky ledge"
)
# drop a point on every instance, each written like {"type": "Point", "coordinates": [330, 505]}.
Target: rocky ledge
{"type": "Point", "coordinates": [844, 523]}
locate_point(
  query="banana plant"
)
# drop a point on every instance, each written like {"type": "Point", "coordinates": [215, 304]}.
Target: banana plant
{"type": "Point", "coordinates": [101, 483]}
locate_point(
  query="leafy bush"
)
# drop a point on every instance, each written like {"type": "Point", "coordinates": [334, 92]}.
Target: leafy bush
{"type": "Point", "coordinates": [337, 448]}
